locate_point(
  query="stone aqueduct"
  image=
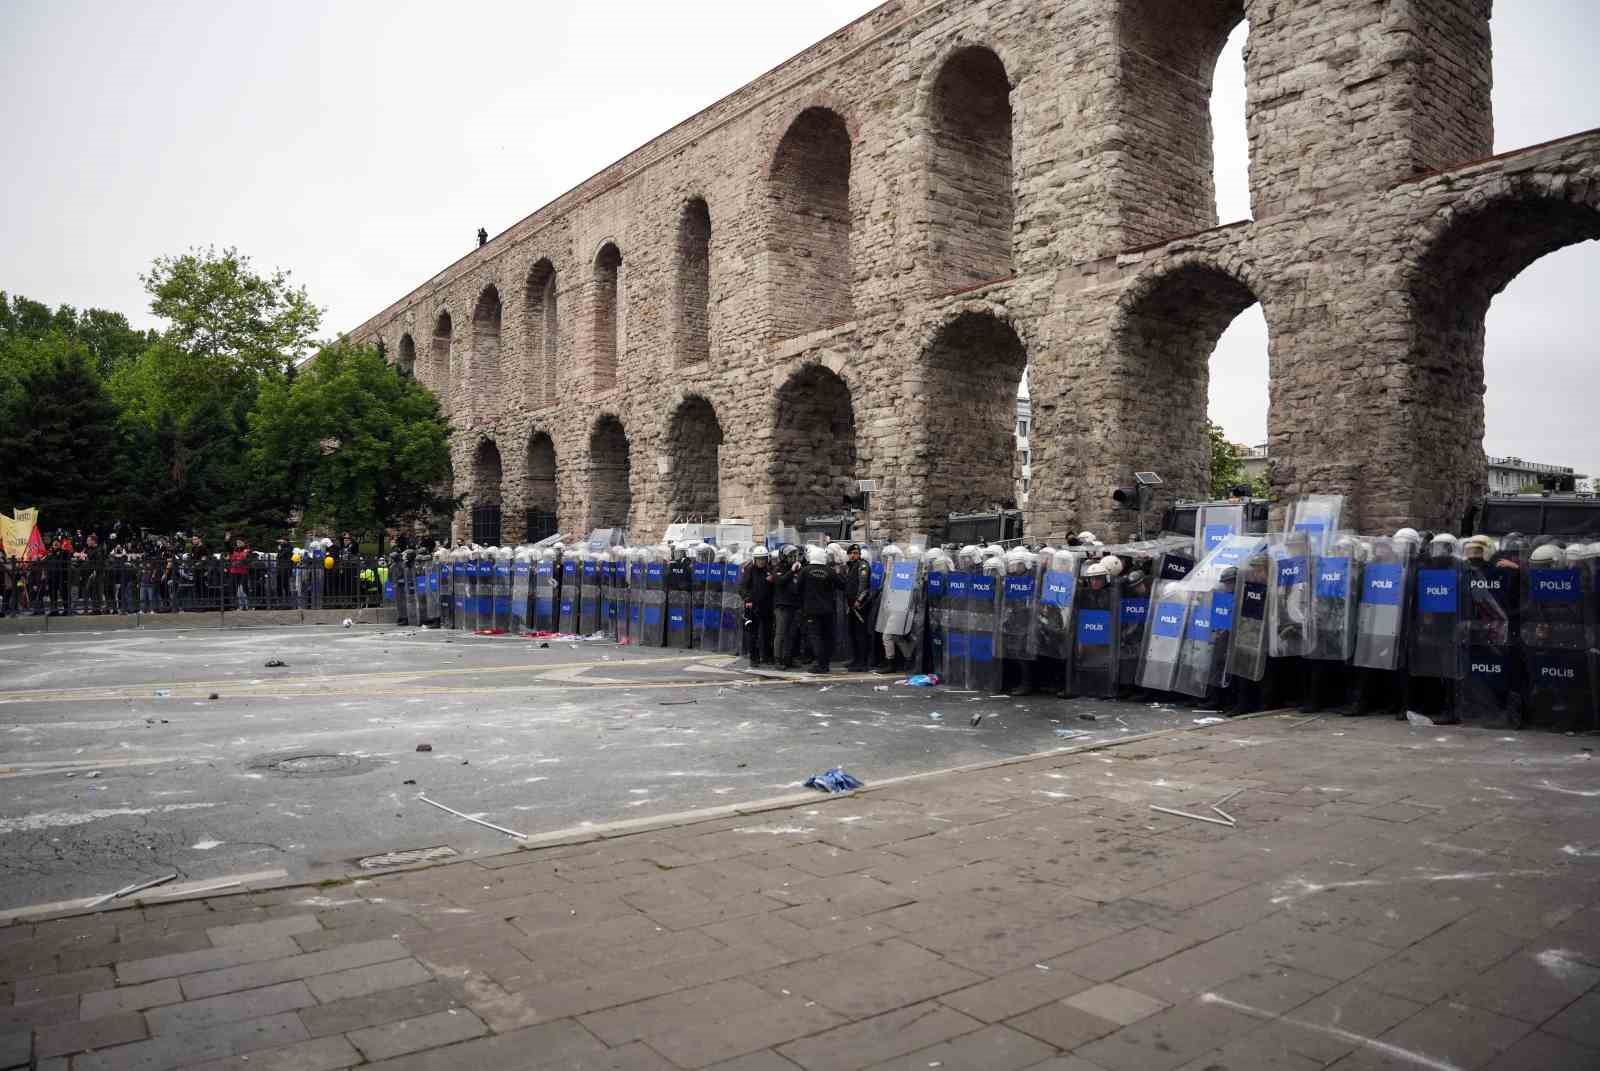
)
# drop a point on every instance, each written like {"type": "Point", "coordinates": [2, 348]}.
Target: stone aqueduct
{"type": "Point", "coordinates": [842, 269]}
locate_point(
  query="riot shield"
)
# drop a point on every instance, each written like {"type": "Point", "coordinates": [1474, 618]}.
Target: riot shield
{"type": "Point", "coordinates": [545, 615]}
{"type": "Point", "coordinates": [1136, 584]}
{"type": "Point", "coordinates": [983, 627]}
{"type": "Point", "coordinates": [638, 561]}
{"type": "Point", "coordinates": [447, 590]}
{"type": "Point", "coordinates": [896, 605]}
{"type": "Point", "coordinates": [466, 574]}
{"type": "Point", "coordinates": [957, 670]}
{"type": "Point", "coordinates": [570, 593]}
{"type": "Point", "coordinates": [711, 602]}
{"type": "Point", "coordinates": [653, 600]}
{"type": "Point", "coordinates": [935, 586]}
{"type": "Point", "coordinates": [521, 590]}
{"type": "Point", "coordinates": [1213, 524]}
{"type": "Point", "coordinates": [1335, 595]}
{"type": "Point", "coordinates": [1440, 614]}
{"type": "Point", "coordinates": [680, 599]}
{"type": "Point", "coordinates": [1019, 607]}
{"type": "Point", "coordinates": [1203, 656]}
{"type": "Point", "coordinates": [702, 556]}
{"type": "Point", "coordinates": [1556, 623]}
{"type": "Point", "coordinates": [731, 630]}
{"type": "Point", "coordinates": [1168, 621]}
{"type": "Point", "coordinates": [1316, 518]}
{"type": "Point", "coordinates": [589, 595]}
{"type": "Point", "coordinates": [1058, 585]}
{"type": "Point", "coordinates": [502, 590]}
{"type": "Point", "coordinates": [1383, 608]}
{"type": "Point", "coordinates": [1094, 651]}
{"type": "Point", "coordinates": [1247, 649]}
{"type": "Point", "coordinates": [1289, 624]}
{"type": "Point", "coordinates": [1491, 691]}
{"type": "Point", "coordinates": [428, 565]}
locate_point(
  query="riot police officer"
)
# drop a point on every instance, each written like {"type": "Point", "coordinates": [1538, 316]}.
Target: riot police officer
{"type": "Point", "coordinates": [756, 589]}
{"type": "Point", "coordinates": [818, 589]}
{"type": "Point", "coordinates": [857, 587]}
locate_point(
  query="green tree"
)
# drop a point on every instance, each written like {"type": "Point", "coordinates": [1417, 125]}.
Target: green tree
{"type": "Point", "coordinates": [350, 442]}
{"type": "Point", "coordinates": [107, 335]}
{"type": "Point", "coordinates": [1227, 471]}
{"type": "Point", "coordinates": [58, 450]}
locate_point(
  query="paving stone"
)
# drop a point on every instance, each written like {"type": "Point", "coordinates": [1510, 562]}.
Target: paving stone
{"type": "Point", "coordinates": [1014, 993]}
{"type": "Point", "coordinates": [95, 1034]}
{"type": "Point", "coordinates": [41, 1012]}
{"type": "Point", "coordinates": [1275, 989]}
{"type": "Point", "coordinates": [250, 933]}
{"type": "Point", "coordinates": [1168, 1039]}
{"type": "Point", "coordinates": [1547, 1053]}
{"type": "Point", "coordinates": [562, 1044]}
{"type": "Point", "coordinates": [147, 970]}
{"type": "Point", "coordinates": [882, 1037]}
{"type": "Point", "coordinates": [1579, 1022]}
{"type": "Point", "coordinates": [510, 1011]}
{"type": "Point", "coordinates": [101, 955]}
{"type": "Point", "coordinates": [16, 1046]}
{"type": "Point", "coordinates": [1443, 962]}
{"type": "Point", "coordinates": [309, 965]}
{"type": "Point", "coordinates": [129, 998]}
{"type": "Point", "coordinates": [43, 987]}
{"type": "Point", "coordinates": [1061, 1025]}
{"type": "Point", "coordinates": [360, 981]}
{"type": "Point", "coordinates": [186, 1047]}
{"type": "Point", "coordinates": [1116, 1003]}
{"type": "Point", "coordinates": [698, 1044]}
{"type": "Point", "coordinates": [1121, 953]}
{"type": "Point", "coordinates": [766, 1060]}
{"type": "Point", "coordinates": [1456, 1034]}
{"type": "Point", "coordinates": [635, 1021]}
{"type": "Point", "coordinates": [1531, 986]}
{"type": "Point", "coordinates": [870, 979]}
{"type": "Point", "coordinates": [320, 1054]}
{"type": "Point", "coordinates": [994, 1048]}
{"type": "Point", "coordinates": [231, 1008]}
{"type": "Point", "coordinates": [374, 1009]}
{"type": "Point", "coordinates": [424, 1032]}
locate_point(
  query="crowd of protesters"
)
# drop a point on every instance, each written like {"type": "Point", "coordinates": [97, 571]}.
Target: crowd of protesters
{"type": "Point", "coordinates": [120, 571]}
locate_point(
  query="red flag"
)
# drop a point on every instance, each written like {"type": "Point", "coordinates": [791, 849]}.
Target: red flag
{"type": "Point", "coordinates": [35, 550]}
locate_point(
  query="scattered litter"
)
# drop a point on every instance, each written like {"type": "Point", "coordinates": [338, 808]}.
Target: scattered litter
{"type": "Point", "coordinates": [1209, 721]}
{"type": "Point", "coordinates": [1041, 966]}
{"type": "Point", "coordinates": [923, 680]}
{"type": "Point", "coordinates": [91, 775]}
{"type": "Point", "coordinates": [546, 644]}
{"type": "Point", "coordinates": [464, 762]}
{"type": "Point", "coordinates": [1196, 817]}
{"type": "Point", "coordinates": [129, 889]}
{"type": "Point", "coordinates": [826, 688]}
{"type": "Point", "coordinates": [976, 718]}
{"type": "Point", "coordinates": [476, 821]}
{"type": "Point", "coordinates": [1228, 797]}
{"type": "Point", "coordinates": [408, 781]}
{"type": "Point", "coordinates": [880, 688]}
{"type": "Point", "coordinates": [742, 765]}
{"type": "Point", "coordinates": [1072, 734]}
{"type": "Point", "coordinates": [834, 780]}
{"type": "Point", "coordinates": [213, 695]}
{"type": "Point", "coordinates": [1088, 717]}
{"type": "Point", "coordinates": [218, 887]}
{"type": "Point", "coordinates": [1001, 696]}
{"type": "Point", "coordinates": [347, 623]}
{"type": "Point", "coordinates": [205, 845]}
{"type": "Point", "coordinates": [677, 702]}
{"type": "Point", "coordinates": [1418, 719]}
{"type": "Point", "coordinates": [163, 693]}
{"type": "Point", "coordinates": [276, 663]}
{"type": "Point", "coordinates": [424, 747]}
{"type": "Point", "coordinates": [934, 715]}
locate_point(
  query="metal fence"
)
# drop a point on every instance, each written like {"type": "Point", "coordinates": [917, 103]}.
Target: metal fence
{"type": "Point", "coordinates": [173, 585]}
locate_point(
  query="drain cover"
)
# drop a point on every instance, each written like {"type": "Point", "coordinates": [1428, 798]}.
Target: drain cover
{"type": "Point", "coordinates": [311, 764]}
{"type": "Point", "coordinates": [413, 855]}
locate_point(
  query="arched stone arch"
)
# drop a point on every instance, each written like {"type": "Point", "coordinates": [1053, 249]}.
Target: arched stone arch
{"type": "Point", "coordinates": [405, 361]}
{"type": "Point", "coordinates": [971, 184]}
{"type": "Point", "coordinates": [485, 377]}
{"type": "Point", "coordinates": [441, 358]}
{"type": "Point", "coordinates": [608, 319]}
{"type": "Point", "coordinates": [1461, 259]}
{"type": "Point", "coordinates": [610, 474]}
{"type": "Point", "coordinates": [809, 217]}
{"type": "Point", "coordinates": [541, 490]}
{"type": "Point", "coordinates": [1163, 332]}
{"type": "Point", "coordinates": [814, 448]}
{"type": "Point", "coordinates": [541, 334]}
{"type": "Point", "coordinates": [694, 451]}
{"type": "Point", "coordinates": [485, 496]}
{"type": "Point", "coordinates": [692, 292]}
{"type": "Point", "coordinates": [967, 375]}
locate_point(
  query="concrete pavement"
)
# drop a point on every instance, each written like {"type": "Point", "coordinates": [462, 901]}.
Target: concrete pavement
{"type": "Point", "coordinates": [1391, 896]}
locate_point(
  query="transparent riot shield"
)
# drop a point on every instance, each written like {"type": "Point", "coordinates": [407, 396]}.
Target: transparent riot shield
{"type": "Point", "coordinates": [503, 586]}
{"type": "Point", "coordinates": [1247, 650]}
{"type": "Point", "coordinates": [1439, 614]}
{"type": "Point", "coordinates": [711, 610]}
{"type": "Point", "coordinates": [1168, 620]}
{"type": "Point", "coordinates": [1136, 585]}
{"type": "Point", "coordinates": [731, 629]}
{"type": "Point", "coordinates": [1289, 624]}
{"type": "Point", "coordinates": [546, 618]}
{"type": "Point", "coordinates": [983, 627]}
{"type": "Point", "coordinates": [653, 601]}
{"type": "Point", "coordinates": [638, 560]}
{"type": "Point", "coordinates": [704, 556]}
{"type": "Point", "coordinates": [465, 568]}
{"type": "Point", "coordinates": [1058, 587]}
{"type": "Point", "coordinates": [1335, 593]}
{"type": "Point", "coordinates": [1316, 519]}
{"type": "Point", "coordinates": [1019, 607]}
{"type": "Point", "coordinates": [935, 597]}
{"type": "Point", "coordinates": [1382, 611]}
{"type": "Point", "coordinates": [903, 582]}
{"type": "Point", "coordinates": [1213, 524]}
{"type": "Point", "coordinates": [1556, 624]}
{"type": "Point", "coordinates": [521, 591]}
{"type": "Point", "coordinates": [1491, 692]}
{"type": "Point", "coordinates": [680, 600]}
{"type": "Point", "coordinates": [1203, 660]}
{"type": "Point", "coordinates": [568, 599]}
{"type": "Point", "coordinates": [1095, 660]}
{"type": "Point", "coordinates": [589, 595]}
{"type": "Point", "coordinates": [428, 569]}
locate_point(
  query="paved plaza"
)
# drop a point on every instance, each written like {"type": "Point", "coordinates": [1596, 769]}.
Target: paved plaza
{"type": "Point", "coordinates": [1389, 896]}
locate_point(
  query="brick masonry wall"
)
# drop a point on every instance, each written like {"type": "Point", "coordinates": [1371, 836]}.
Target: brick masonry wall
{"type": "Point", "coordinates": [862, 315]}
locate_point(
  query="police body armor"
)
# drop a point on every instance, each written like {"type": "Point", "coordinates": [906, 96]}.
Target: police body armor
{"type": "Point", "coordinates": [653, 603]}
{"type": "Point", "coordinates": [1556, 622]}
{"type": "Point", "coordinates": [1247, 649]}
{"type": "Point", "coordinates": [1439, 617]}
{"type": "Point", "coordinates": [1094, 652]}
{"type": "Point", "coordinates": [569, 595]}
{"type": "Point", "coordinates": [1382, 609]}
{"type": "Point", "coordinates": [545, 618]}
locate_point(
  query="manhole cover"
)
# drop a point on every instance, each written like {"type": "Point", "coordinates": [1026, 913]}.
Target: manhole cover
{"type": "Point", "coordinates": [311, 764]}
{"type": "Point", "coordinates": [413, 855]}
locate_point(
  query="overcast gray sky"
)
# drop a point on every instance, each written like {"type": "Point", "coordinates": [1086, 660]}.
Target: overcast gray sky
{"type": "Point", "coordinates": [361, 144]}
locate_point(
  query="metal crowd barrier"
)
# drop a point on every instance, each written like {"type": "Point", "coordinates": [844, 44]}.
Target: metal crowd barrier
{"type": "Point", "coordinates": [174, 585]}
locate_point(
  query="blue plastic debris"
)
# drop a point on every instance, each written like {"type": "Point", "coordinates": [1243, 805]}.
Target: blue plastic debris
{"type": "Point", "coordinates": [834, 780]}
{"type": "Point", "coordinates": [923, 680]}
